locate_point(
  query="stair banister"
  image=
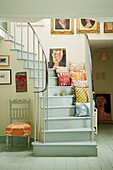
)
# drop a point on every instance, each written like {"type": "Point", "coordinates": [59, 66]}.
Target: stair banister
{"type": "Point", "coordinates": [89, 71]}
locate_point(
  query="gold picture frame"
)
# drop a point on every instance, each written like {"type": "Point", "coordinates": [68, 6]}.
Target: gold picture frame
{"type": "Point", "coordinates": [108, 27]}
{"type": "Point", "coordinates": [4, 60]}
{"type": "Point", "coordinates": [87, 26]}
{"type": "Point", "coordinates": [58, 27]}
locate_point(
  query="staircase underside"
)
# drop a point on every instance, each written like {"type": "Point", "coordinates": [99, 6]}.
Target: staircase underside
{"type": "Point", "coordinates": [65, 149]}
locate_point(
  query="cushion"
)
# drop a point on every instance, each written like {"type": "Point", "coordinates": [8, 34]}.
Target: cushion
{"type": "Point", "coordinates": [82, 109]}
{"type": "Point", "coordinates": [80, 83]}
{"type": "Point", "coordinates": [63, 79]}
{"type": "Point", "coordinates": [76, 66]}
{"type": "Point", "coordinates": [18, 129]}
{"type": "Point", "coordinates": [81, 76]}
{"type": "Point", "coordinates": [61, 69]}
{"type": "Point", "coordinates": [81, 94]}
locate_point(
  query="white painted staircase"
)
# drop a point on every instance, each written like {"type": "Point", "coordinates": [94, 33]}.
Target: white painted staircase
{"type": "Point", "coordinates": [59, 132]}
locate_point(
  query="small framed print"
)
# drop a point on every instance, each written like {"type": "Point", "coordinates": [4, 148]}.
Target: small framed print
{"type": "Point", "coordinates": [5, 77]}
{"type": "Point", "coordinates": [87, 26]}
{"type": "Point", "coordinates": [21, 82]}
{"type": "Point", "coordinates": [108, 27]}
{"type": "Point", "coordinates": [62, 26]}
{"type": "Point", "coordinates": [4, 60]}
{"type": "Point", "coordinates": [57, 57]}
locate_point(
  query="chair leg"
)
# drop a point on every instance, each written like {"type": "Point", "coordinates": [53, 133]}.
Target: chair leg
{"type": "Point", "coordinates": [7, 142]}
{"type": "Point", "coordinates": [11, 140]}
{"type": "Point", "coordinates": [28, 142]}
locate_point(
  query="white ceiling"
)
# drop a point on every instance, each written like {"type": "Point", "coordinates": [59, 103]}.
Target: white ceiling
{"type": "Point", "coordinates": [34, 10]}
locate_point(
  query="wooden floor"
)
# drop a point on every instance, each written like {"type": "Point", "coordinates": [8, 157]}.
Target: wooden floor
{"type": "Point", "coordinates": [19, 159]}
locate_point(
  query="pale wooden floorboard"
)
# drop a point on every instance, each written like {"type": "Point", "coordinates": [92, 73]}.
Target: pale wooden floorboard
{"type": "Point", "coordinates": [18, 158]}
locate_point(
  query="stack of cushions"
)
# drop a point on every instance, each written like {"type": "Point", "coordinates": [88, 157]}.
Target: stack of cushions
{"type": "Point", "coordinates": [77, 71]}
{"type": "Point", "coordinates": [63, 76]}
{"type": "Point", "coordinates": [81, 99]}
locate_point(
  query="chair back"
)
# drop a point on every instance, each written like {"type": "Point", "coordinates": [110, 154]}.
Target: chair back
{"type": "Point", "coordinates": [19, 110]}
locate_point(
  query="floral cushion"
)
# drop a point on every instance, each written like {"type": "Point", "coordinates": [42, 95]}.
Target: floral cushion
{"type": "Point", "coordinates": [80, 83]}
{"type": "Point", "coordinates": [81, 95]}
{"type": "Point", "coordinates": [63, 79]}
{"type": "Point", "coordinates": [82, 109]}
{"type": "Point", "coordinates": [81, 76]}
{"type": "Point", "coordinates": [18, 129]}
{"type": "Point", "coordinates": [61, 69]}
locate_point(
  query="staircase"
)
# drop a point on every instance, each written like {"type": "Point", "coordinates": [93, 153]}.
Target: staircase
{"type": "Point", "coordinates": [59, 132]}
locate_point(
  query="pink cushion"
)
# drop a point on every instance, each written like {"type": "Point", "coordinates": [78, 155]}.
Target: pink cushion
{"type": "Point", "coordinates": [63, 79]}
{"type": "Point", "coordinates": [80, 83]}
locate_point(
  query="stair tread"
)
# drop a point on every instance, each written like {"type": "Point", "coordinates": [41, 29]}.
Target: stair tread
{"type": "Point", "coordinates": [67, 118]}
{"type": "Point", "coordinates": [50, 69]}
{"type": "Point", "coordinates": [23, 51]}
{"type": "Point", "coordinates": [15, 42]}
{"type": "Point", "coordinates": [65, 96]}
{"type": "Point", "coordinates": [53, 107]}
{"type": "Point", "coordinates": [69, 130]}
{"type": "Point", "coordinates": [67, 143]}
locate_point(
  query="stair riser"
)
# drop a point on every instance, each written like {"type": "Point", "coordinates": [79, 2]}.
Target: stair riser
{"type": "Point", "coordinates": [67, 136]}
{"type": "Point", "coordinates": [31, 64]}
{"type": "Point", "coordinates": [51, 73]}
{"type": "Point", "coordinates": [68, 124]}
{"type": "Point", "coordinates": [24, 55]}
{"type": "Point", "coordinates": [60, 112]}
{"type": "Point", "coordinates": [58, 101]}
{"type": "Point", "coordinates": [51, 82]}
{"type": "Point", "coordinates": [53, 91]}
{"type": "Point", "coordinates": [16, 46]}
{"type": "Point", "coordinates": [65, 150]}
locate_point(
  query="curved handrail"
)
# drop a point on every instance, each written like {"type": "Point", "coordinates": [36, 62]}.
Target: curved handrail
{"type": "Point", "coordinates": [90, 64]}
{"type": "Point", "coordinates": [46, 86]}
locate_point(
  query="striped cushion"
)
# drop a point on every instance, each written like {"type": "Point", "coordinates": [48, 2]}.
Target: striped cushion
{"type": "Point", "coordinates": [18, 129]}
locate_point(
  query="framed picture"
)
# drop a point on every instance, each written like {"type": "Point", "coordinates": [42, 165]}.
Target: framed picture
{"type": "Point", "coordinates": [108, 27]}
{"type": "Point", "coordinates": [21, 82]}
{"type": "Point", "coordinates": [35, 24]}
{"type": "Point", "coordinates": [4, 60]}
{"type": "Point", "coordinates": [62, 26]}
{"type": "Point", "coordinates": [57, 57]}
{"type": "Point", "coordinates": [103, 104]}
{"type": "Point", "coordinates": [5, 77]}
{"type": "Point", "coordinates": [87, 26]}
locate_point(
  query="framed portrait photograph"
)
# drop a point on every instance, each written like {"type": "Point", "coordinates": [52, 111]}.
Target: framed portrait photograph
{"type": "Point", "coordinates": [103, 104]}
{"type": "Point", "coordinates": [21, 82]}
{"type": "Point", "coordinates": [108, 27]}
{"type": "Point", "coordinates": [4, 60]}
{"type": "Point", "coordinates": [87, 26]}
{"type": "Point", "coordinates": [62, 26]}
{"type": "Point", "coordinates": [57, 57]}
{"type": "Point", "coordinates": [5, 77]}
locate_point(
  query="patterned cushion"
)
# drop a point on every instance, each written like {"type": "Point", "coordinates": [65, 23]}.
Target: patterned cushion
{"type": "Point", "coordinates": [81, 76]}
{"type": "Point", "coordinates": [63, 79]}
{"type": "Point", "coordinates": [78, 83]}
{"type": "Point", "coordinates": [81, 94]}
{"type": "Point", "coordinates": [76, 66]}
{"type": "Point", "coordinates": [18, 129]}
{"type": "Point", "coordinates": [82, 109]}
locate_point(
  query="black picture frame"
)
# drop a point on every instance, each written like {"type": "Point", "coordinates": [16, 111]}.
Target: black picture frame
{"type": "Point", "coordinates": [5, 77]}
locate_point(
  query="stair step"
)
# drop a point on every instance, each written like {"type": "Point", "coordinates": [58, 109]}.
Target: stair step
{"type": "Point", "coordinates": [68, 122]}
{"type": "Point", "coordinates": [68, 135]}
{"type": "Point", "coordinates": [52, 81]}
{"type": "Point", "coordinates": [51, 73]}
{"type": "Point", "coordinates": [65, 149]}
{"type": "Point", "coordinates": [58, 100]}
{"type": "Point", "coordinates": [60, 111]}
{"type": "Point", "coordinates": [32, 64]}
{"type": "Point", "coordinates": [15, 45]}
{"type": "Point", "coordinates": [24, 54]}
{"type": "Point", "coordinates": [56, 90]}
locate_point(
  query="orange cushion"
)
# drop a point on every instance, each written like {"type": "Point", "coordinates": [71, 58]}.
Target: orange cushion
{"type": "Point", "coordinates": [81, 76]}
{"type": "Point", "coordinates": [18, 129]}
